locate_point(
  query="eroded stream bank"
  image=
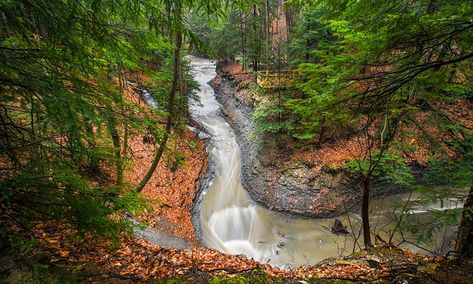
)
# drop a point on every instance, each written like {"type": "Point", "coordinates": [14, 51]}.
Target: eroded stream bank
{"type": "Point", "coordinates": [297, 188]}
{"type": "Point", "coordinates": [230, 221]}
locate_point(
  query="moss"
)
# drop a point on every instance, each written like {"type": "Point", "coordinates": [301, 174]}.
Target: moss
{"type": "Point", "coordinates": [254, 276]}
{"type": "Point", "coordinates": [174, 280]}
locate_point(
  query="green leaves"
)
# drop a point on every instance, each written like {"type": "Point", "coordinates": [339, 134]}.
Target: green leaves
{"type": "Point", "coordinates": [268, 118]}
{"type": "Point", "coordinates": [454, 172]}
{"type": "Point", "coordinates": [391, 168]}
{"type": "Point", "coordinates": [62, 64]}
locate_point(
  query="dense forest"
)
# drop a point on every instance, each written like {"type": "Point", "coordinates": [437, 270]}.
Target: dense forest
{"type": "Point", "coordinates": [336, 106]}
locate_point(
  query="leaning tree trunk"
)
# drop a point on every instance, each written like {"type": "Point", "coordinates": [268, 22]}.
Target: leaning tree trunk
{"type": "Point", "coordinates": [171, 99]}
{"type": "Point", "coordinates": [365, 212]}
{"type": "Point", "coordinates": [465, 232]}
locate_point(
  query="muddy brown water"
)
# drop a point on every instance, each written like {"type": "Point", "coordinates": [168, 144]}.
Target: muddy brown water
{"type": "Point", "coordinates": [232, 223]}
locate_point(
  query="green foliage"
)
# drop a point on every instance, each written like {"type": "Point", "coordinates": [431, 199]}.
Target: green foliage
{"type": "Point", "coordinates": [391, 168]}
{"type": "Point", "coordinates": [430, 227]}
{"type": "Point", "coordinates": [269, 118]}
{"type": "Point", "coordinates": [63, 69]}
{"type": "Point", "coordinates": [311, 39]}
{"type": "Point", "coordinates": [57, 69]}
{"type": "Point", "coordinates": [244, 34]}
{"type": "Point", "coordinates": [446, 182]}
{"type": "Point", "coordinates": [39, 271]}
{"type": "Point", "coordinates": [369, 58]}
{"type": "Point", "coordinates": [454, 172]}
{"type": "Point", "coordinates": [221, 37]}
{"type": "Point", "coordinates": [254, 276]}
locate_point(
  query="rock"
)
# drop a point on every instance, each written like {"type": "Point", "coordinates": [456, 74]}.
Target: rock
{"type": "Point", "coordinates": [203, 136]}
{"type": "Point", "coordinates": [192, 129]}
{"type": "Point", "coordinates": [373, 262]}
{"type": "Point", "coordinates": [338, 228]}
{"type": "Point", "coordinates": [161, 239]}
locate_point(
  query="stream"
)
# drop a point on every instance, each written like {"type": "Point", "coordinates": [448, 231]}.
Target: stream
{"type": "Point", "coordinates": [232, 223]}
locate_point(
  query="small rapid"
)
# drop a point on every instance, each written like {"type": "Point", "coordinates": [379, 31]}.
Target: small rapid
{"type": "Point", "coordinates": [231, 222]}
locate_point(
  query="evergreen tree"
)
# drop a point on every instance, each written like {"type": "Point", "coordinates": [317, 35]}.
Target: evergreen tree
{"type": "Point", "coordinates": [64, 116]}
{"type": "Point", "coordinates": [386, 60]}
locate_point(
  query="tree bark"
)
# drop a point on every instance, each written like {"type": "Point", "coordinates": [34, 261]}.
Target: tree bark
{"type": "Point", "coordinates": [125, 140]}
{"type": "Point", "coordinates": [267, 27]}
{"type": "Point", "coordinates": [171, 99]}
{"type": "Point", "coordinates": [365, 212]}
{"type": "Point", "coordinates": [243, 40]}
{"type": "Point", "coordinates": [94, 166]}
{"type": "Point", "coordinates": [464, 242]}
{"type": "Point", "coordinates": [255, 39]}
{"type": "Point", "coordinates": [118, 157]}
{"type": "Point", "coordinates": [112, 128]}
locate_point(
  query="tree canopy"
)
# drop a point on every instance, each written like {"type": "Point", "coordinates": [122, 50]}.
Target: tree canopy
{"type": "Point", "coordinates": [64, 115]}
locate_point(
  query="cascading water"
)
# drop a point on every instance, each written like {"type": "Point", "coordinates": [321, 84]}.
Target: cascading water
{"type": "Point", "coordinates": [230, 221]}
{"type": "Point", "coordinates": [147, 98]}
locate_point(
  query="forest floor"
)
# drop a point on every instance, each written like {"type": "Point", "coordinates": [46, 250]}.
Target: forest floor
{"type": "Point", "coordinates": [63, 255]}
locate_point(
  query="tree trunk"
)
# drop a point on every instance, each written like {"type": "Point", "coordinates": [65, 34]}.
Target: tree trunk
{"type": "Point", "coordinates": [112, 128]}
{"type": "Point", "coordinates": [255, 39]}
{"type": "Point", "coordinates": [465, 232]}
{"type": "Point", "coordinates": [365, 212]}
{"type": "Point", "coordinates": [94, 166]}
{"type": "Point", "coordinates": [243, 41]}
{"type": "Point", "coordinates": [288, 13]}
{"type": "Point", "coordinates": [267, 27]}
{"type": "Point", "coordinates": [171, 99]}
{"type": "Point", "coordinates": [118, 157]}
{"type": "Point", "coordinates": [125, 140]}
{"type": "Point", "coordinates": [322, 131]}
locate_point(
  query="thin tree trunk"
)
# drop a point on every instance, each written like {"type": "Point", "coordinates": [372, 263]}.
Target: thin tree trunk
{"type": "Point", "coordinates": [94, 166]}
{"type": "Point", "coordinates": [256, 40]}
{"type": "Point", "coordinates": [289, 21]}
{"type": "Point", "coordinates": [465, 232]}
{"type": "Point", "coordinates": [365, 212]}
{"type": "Point", "coordinates": [322, 131]}
{"type": "Point", "coordinates": [118, 157]}
{"type": "Point", "coordinates": [112, 128]}
{"type": "Point", "coordinates": [171, 99]}
{"type": "Point", "coordinates": [267, 27]}
{"type": "Point", "coordinates": [125, 140]}
{"type": "Point", "coordinates": [125, 124]}
{"type": "Point", "coordinates": [242, 38]}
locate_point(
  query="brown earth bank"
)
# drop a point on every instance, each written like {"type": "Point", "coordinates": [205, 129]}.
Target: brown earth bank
{"type": "Point", "coordinates": [306, 180]}
{"type": "Point", "coordinates": [170, 192]}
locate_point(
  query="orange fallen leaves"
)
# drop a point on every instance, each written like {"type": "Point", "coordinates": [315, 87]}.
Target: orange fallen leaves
{"type": "Point", "coordinates": [144, 261]}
